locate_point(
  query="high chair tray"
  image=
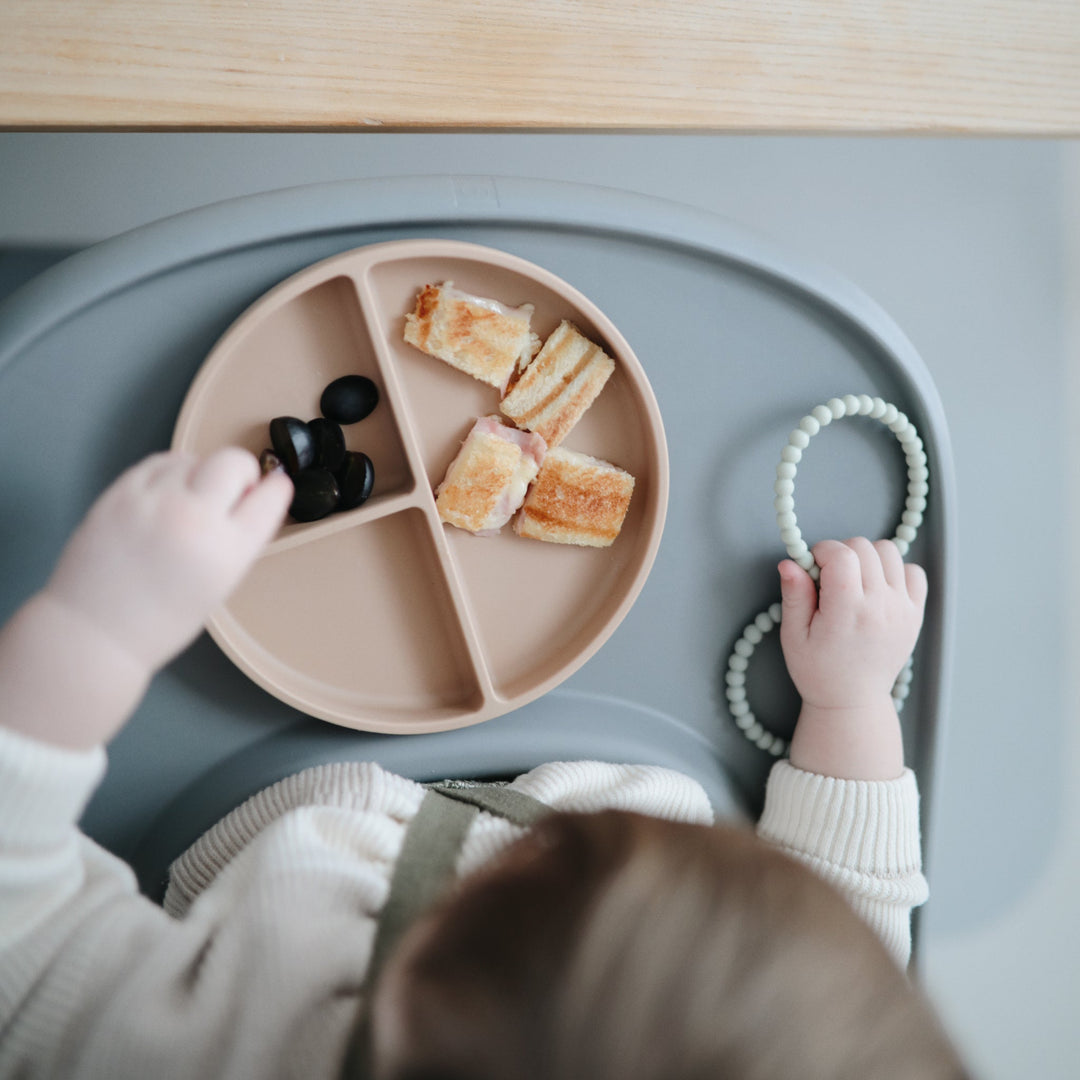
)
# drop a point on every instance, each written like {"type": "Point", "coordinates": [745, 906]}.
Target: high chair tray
{"type": "Point", "coordinates": [738, 338]}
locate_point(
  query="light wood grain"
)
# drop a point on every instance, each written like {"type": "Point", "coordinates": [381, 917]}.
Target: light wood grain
{"type": "Point", "coordinates": [860, 65]}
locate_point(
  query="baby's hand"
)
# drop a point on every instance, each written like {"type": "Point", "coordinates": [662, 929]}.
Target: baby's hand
{"type": "Point", "coordinates": [845, 644]}
{"type": "Point", "coordinates": [165, 545]}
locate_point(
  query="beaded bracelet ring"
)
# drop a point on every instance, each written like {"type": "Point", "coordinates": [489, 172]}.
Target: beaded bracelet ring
{"type": "Point", "coordinates": [917, 489]}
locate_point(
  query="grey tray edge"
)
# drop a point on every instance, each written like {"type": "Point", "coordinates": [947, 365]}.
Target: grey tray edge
{"type": "Point", "coordinates": [564, 722]}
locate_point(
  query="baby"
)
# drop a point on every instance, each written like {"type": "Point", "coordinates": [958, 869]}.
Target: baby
{"type": "Point", "coordinates": [623, 934]}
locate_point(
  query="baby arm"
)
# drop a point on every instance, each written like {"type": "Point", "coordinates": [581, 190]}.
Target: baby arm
{"type": "Point", "coordinates": [844, 804]}
{"type": "Point", "coordinates": [158, 551]}
{"type": "Point", "coordinates": [844, 646]}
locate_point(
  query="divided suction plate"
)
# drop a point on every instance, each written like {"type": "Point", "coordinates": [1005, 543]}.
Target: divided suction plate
{"type": "Point", "coordinates": [382, 618]}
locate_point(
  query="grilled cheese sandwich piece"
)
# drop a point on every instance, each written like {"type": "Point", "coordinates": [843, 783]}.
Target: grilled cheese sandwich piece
{"type": "Point", "coordinates": [576, 499]}
{"type": "Point", "coordinates": [487, 481]}
{"type": "Point", "coordinates": [481, 337]}
{"type": "Point", "coordinates": [558, 386]}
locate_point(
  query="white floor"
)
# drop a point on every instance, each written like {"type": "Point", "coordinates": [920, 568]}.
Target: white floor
{"type": "Point", "coordinates": [974, 248]}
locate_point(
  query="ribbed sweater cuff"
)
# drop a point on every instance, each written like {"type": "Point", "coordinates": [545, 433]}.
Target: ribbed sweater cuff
{"type": "Point", "coordinates": [43, 788]}
{"type": "Point", "coordinates": [864, 825]}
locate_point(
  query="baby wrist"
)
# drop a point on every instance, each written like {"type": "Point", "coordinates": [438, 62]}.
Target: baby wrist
{"type": "Point", "coordinates": [65, 680]}
{"type": "Point", "coordinates": [851, 742]}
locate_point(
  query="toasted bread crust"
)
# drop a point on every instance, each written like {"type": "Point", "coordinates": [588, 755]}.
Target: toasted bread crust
{"type": "Point", "coordinates": [481, 337]}
{"type": "Point", "coordinates": [557, 388]}
{"type": "Point", "coordinates": [576, 499]}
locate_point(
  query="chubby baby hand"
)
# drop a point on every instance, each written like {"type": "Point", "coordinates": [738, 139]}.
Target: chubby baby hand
{"type": "Point", "coordinates": [165, 545]}
{"type": "Point", "coordinates": [846, 641]}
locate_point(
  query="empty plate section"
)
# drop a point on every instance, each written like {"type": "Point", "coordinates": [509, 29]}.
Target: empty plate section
{"type": "Point", "coordinates": [443, 402]}
{"type": "Point", "coordinates": [539, 608]}
{"type": "Point", "coordinates": [357, 627]}
{"type": "Point", "coordinates": [278, 364]}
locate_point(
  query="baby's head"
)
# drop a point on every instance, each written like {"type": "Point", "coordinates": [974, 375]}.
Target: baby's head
{"type": "Point", "coordinates": [614, 945]}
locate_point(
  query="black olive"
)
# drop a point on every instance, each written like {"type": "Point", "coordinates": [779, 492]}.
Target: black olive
{"type": "Point", "coordinates": [349, 399]}
{"type": "Point", "coordinates": [356, 478]}
{"type": "Point", "coordinates": [292, 443]}
{"type": "Point", "coordinates": [329, 443]}
{"type": "Point", "coordinates": [315, 494]}
{"type": "Point", "coordinates": [269, 462]}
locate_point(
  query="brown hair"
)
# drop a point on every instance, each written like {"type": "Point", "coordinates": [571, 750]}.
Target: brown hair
{"type": "Point", "coordinates": [614, 945]}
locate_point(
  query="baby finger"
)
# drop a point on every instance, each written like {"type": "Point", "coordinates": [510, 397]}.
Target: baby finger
{"type": "Point", "coordinates": [870, 568]}
{"type": "Point", "coordinates": [841, 577]}
{"type": "Point", "coordinates": [917, 587]}
{"type": "Point", "coordinates": [892, 562]}
{"type": "Point", "coordinates": [262, 509]}
{"type": "Point", "coordinates": [224, 476]}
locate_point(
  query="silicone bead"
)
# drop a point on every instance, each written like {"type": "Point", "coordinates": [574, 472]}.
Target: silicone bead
{"type": "Point", "coordinates": [899, 424]}
{"type": "Point", "coordinates": [786, 521]}
{"type": "Point", "coordinates": [905, 532]}
{"type": "Point", "coordinates": [764, 622]}
{"type": "Point", "coordinates": [902, 544]}
{"type": "Point", "coordinates": [822, 414]}
{"type": "Point", "coordinates": [786, 470]}
{"type": "Point", "coordinates": [799, 438]}
{"type": "Point", "coordinates": [744, 648]}
{"type": "Point", "coordinates": [918, 487]}
{"type": "Point", "coordinates": [790, 536]}
{"type": "Point", "coordinates": [754, 732]}
{"type": "Point", "coordinates": [889, 415]}
{"type": "Point", "coordinates": [745, 720]}
{"type": "Point", "coordinates": [916, 502]}
{"type": "Point", "coordinates": [783, 504]}
{"type": "Point", "coordinates": [919, 472]}
{"type": "Point", "coordinates": [851, 404]}
{"type": "Point", "coordinates": [739, 708]}
{"type": "Point", "coordinates": [738, 663]}
{"type": "Point", "coordinates": [806, 561]}
{"type": "Point", "coordinates": [809, 425]}
{"type": "Point", "coordinates": [878, 411]}
{"type": "Point", "coordinates": [791, 453]}
{"type": "Point", "coordinates": [764, 740]}
{"type": "Point", "coordinates": [915, 457]}
{"type": "Point", "coordinates": [866, 404]}
{"type": "Point", "coordinates": [784, 487]}
{"type": "Point", "coordinates": [798, 550]}
{"type": "Point", "coordinates": [906, 435]}
{"type": "Point", "coordinates": [836, 407]}
{"type": "Point", "coordinates": [752, 634]}
{"type": "Point", "coordinates": [912, 518]}
{"type": "Point", "coordinates": [735, 678]}
{"type": "Point", "coordinates": [777, 747]}
{"type": "Point", "coordinates": [774, 612]}
{"type": "Point", "coordinates": [736, 693]}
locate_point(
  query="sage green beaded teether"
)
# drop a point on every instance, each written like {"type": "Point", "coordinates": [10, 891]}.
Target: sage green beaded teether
{"type": "Point", "coordinates": [784, 503]}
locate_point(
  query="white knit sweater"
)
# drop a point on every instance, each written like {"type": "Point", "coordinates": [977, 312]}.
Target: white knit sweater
{"type": "Point", "coordinates": [254, 968]}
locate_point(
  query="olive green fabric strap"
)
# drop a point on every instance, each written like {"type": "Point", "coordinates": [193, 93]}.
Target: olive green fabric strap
{"type": "Point", "coordinates": [425, 869]}
{"type": "Point", "coordinates": [498, 799]}
{"type": "Point", "coordinates": [430, 851]}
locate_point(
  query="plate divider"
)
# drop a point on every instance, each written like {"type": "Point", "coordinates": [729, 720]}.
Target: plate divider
{"type": "Point", "coordinates": [460, 600]}
{"type": "Point", "coordinates": [350, 519]}
{"type": "Point", "coordinates": [423, 498]}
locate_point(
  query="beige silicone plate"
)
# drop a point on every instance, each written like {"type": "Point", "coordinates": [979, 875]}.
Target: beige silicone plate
{"type": "Point", "coordinates": [382, 618]}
